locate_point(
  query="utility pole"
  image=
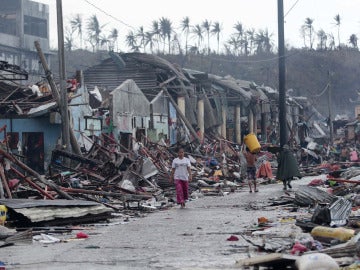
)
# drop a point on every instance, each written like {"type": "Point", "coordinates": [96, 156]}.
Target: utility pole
{"type": "Point", "coordinates": [282, 94]}
{"type": "Point", "coordinates": [62, 73]}
{"type": "Point", "coordinates": [330, 109]}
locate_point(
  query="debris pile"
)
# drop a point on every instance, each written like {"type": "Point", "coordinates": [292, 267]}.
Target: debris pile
{"type": "Point", "coordinates": [318, 224]}
{"type": "Point", "coordinates": [118, 178]}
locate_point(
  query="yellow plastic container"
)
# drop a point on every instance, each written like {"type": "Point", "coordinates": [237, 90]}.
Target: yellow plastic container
{"type": "Point", "coordinates": [252, 143]}
{"type": "Point", "coordinates": [341, 234]}
{"type": "Point", "coordinates": [3, 212]}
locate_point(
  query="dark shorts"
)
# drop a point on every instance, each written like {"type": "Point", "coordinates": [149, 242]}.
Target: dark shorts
{"type": "Point", "coordinates": [251, 173]}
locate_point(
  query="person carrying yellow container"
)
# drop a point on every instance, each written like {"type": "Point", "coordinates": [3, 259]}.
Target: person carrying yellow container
{"type": "Point", "coordinates": [250, 169]}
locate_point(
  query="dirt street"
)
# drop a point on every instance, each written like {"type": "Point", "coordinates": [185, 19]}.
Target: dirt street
{"type": "Point", "coordinates": [190, 238]}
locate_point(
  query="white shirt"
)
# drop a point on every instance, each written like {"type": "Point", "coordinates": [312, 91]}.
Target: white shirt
{"type": "Point", "coordinates": [181, 168]}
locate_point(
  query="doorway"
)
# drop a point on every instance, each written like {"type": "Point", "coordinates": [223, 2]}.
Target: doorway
{"type": "Point", "coordinates": [33, 149]}
{"type": "Point", "coordinates": [125, 142]}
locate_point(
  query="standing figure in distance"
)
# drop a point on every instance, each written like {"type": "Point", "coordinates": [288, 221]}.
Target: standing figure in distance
{"type": "Point", "coordinates": [181, 174]}
{"type": "Point", "coordinates": [287, 167]}
{"type": "Point", "coordinates": [250, 169]}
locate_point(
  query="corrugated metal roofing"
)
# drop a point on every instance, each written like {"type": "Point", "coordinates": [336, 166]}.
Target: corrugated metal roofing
{"type": "Point", "coordinates": [232, 85]}
{"type": "Point", "coordinates": [46, 210]}
{"type": "Point", "coordinates": [340, 211]}
{"type": "Point", "coordinates": [41, 214]}
{"type": "Point", "coordinates": [27, 203]}
{"type": "Point", "coordinates": [148, 71]}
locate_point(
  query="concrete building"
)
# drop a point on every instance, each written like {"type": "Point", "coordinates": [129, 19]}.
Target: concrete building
{"type": "Point", "coordinates": [21, 23]}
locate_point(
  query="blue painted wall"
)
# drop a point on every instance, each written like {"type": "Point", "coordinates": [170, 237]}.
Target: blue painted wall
{"type": "Point", "coordinates": [40, 124]}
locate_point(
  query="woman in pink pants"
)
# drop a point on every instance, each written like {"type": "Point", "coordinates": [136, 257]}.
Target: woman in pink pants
{"type": "Point", "coordinates": [181, 174]}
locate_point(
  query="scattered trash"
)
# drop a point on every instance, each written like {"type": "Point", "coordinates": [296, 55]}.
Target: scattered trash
{"type": "Point", "coordinates": [233, 238]}
{"type": "Point", "coordinates": [81, 235]}
{"type": "Point", "coordinates": [318, 261]}
{"type": "Point", "coordinates": [46, 239]}
{"type": "Point", "coordinates": [341, 234]}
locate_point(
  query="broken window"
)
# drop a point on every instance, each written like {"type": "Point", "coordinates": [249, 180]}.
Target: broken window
{"type": "Point", "coordinates": [35, 26]}
{"type": "Point", "coordinates": [8, 16]}
{"type": "Point", "coordinates": [93, 124]}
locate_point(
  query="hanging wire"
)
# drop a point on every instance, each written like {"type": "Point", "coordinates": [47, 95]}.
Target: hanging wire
{"type": "Point", "coordinates": [291, 8]}
{"type": "Point", "coordinates": [109, 15]}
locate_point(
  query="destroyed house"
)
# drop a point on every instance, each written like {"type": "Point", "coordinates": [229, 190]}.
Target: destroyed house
{"type": "Point", "coordinates": [153, 76]}
{"type": "Point", "coordinates": [243, 99]}
{"type": "Point", "coordinates": [130, 112]}
{"type": "Point", "coordinates": [29, 123]}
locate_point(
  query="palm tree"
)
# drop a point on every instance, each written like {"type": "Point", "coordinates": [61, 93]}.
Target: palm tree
{"type": "Point", "coordinates": [337, 23]}
{"type": "Point", "coordinates": [69, 40]}
{"type": "Point", "coordinates": [76, 26]}
{"type": "Point", "coordinates": [245, 44]}
{"type": "Point", "coordinates": [140, 34]}
{"type": "Point", "coordinates": [251, 37]}
{"type": "Point", "coordinates": [331, 41]}
{"type": "Point", "coordinates": [176, 46]}
{"type": "Point", "coordinates": [114, 34]}
{"type": "Point", "coordinates": [105, 41]}
{"type": "Point", "coordinates": [185, 28]}
{"type": "Point", "coordinates": [156, 33]}
{"type": "Point", "coordinates": [216, 30]}
{"type": "Point", "coordinates": [233, 45]}
{"type": "Point", "coordinates": [68, 43]}
{"type": "Point", "coordinates": [149, 40]}
{"type": "Point", "coordinates": [268, 44]}
{"type": "Point", "coordinates": [131, 41]}
{"type": "Point", "coordinates": [206, 26]}
{"type": "Point", "coordinates": [94, 32]}
{"type": "Point", "coordinates": [166, 31]}
{"type": "Point", "coordinates": [353, 40]}
{"type": "Point", "coordinates": [263, 41]}
{"type": "Point", "coordinates": [239, 32]}
{"type": "Point", "coordinates": [308, 28]}
{"type": "Point", "coordinates": [322, 39]}
{"type": "Point", "coordinates": [198, 33]}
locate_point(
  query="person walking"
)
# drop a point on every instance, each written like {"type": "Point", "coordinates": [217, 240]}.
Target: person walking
{"type": "Point", "coordinates": [287, 167]}
{"type": "Point", "coordinates": [181, 175]}
{"type": "Point", "coordinates": [250, 169]}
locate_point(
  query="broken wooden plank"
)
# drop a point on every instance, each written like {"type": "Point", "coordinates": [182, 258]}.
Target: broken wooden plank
{"type": "Point", "coordinates": [344, 180]}
{"type": "Point", "coordinates": [37, 175]}
{"type": "Point", "coordinates": [32, 184]}
{"type": "Point", "coordinates": [4, 181]}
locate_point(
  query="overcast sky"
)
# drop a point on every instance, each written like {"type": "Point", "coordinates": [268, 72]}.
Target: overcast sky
{"type": "Point", "coordinates": [258, 14]}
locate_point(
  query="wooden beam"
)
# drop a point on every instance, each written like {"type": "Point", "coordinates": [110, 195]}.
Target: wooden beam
{"type": "Point", "coordinates": [37, 175]}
